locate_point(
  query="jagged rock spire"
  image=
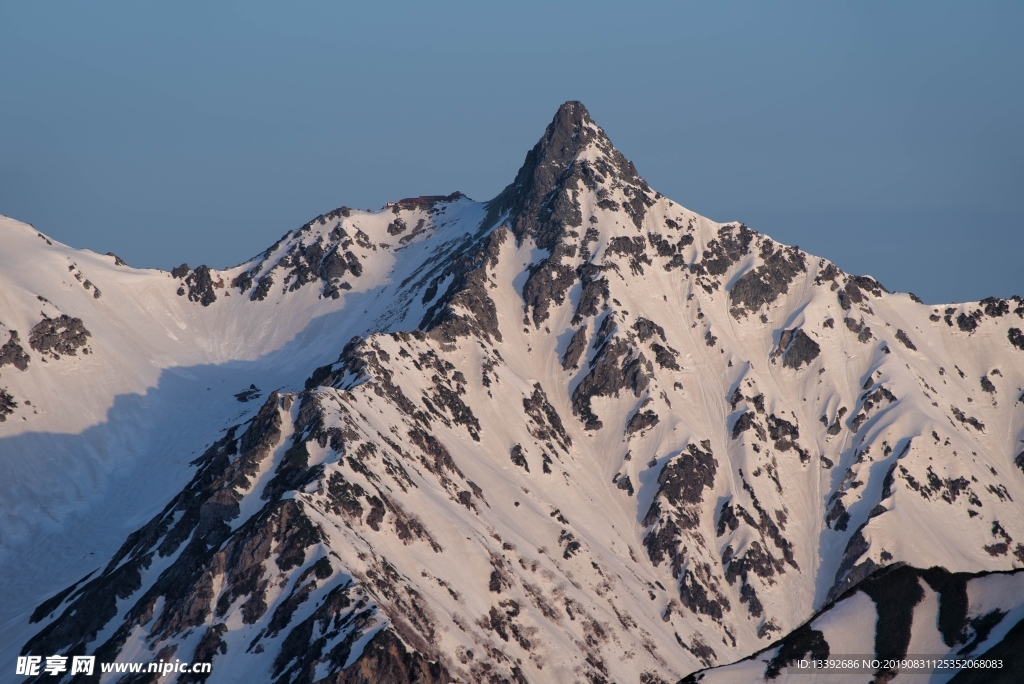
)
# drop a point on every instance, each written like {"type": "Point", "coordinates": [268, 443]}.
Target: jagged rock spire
{"type": "Point", "coordinates": [535, 202]}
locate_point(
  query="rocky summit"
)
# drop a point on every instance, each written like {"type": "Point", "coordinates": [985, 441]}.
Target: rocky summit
{"type": "Point", "coordinates": [576, 433]}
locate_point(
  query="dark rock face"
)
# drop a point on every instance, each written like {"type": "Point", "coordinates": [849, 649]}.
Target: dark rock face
{"type": "Point", "coordinates": [180, 271]}
{"type": "Point", "coordinates": [616, 367]}
{"type": "Point", "coordinates": [1010, 651]}
{"type": "Point", "coordinates": [672, 519]}
{"type": "Point", "coordinates": [641, 420]}
{"type": "Point", "coordinates": [683, 480]}
{"type": "Point", "coordinates": [876, 399]}
{"type": "Point", "coordinates": [12, 353]}
{"type": "Point", "coordinates": [518, 458]}
{"type": "Point", "coordinates": [837, 425]}
{"type": "Point", "coordinates": [968, 323]}
{"type": "Point", "coordinates": [863, 332]}
{"type": "Point", "coordinates": [386, 659]}
{"type": "Point", "coordinates": [850, 572]}
{"type": "Point", "coordinates": [665, 356]}
{"type": "Point", "coordinates": [262, 289]}
{"type": "Point", "coordinates": [573, 353]}
{"type": "Point", "coordinates": [541, 201]}
{"type": "Point", "coordinates": [784, 435]}
{"type": "Point", "coordinates": [543, 204]}
{"type": "Point", "coordinates": [56, 336]}
{"type": "Point", "coordinates": [798, 645]}
{"type": "Point", "coordinates": [797, 348]}
{"type": "Point", "coordinates": [733, 244]}
{"type": "Point", "coordinates": [7, 404]}
{"type": "Point", "coordinates": [200, 286]}
{"type": "Point", "coordinates": [468, 291]}
{"type": "Point", "coordinates": [625, 485]}
{"type": "Point", "coordinates": [548, 283]}
{"type": "Point", "coordinates": [335, 265]}
{"type": "Point", "coordinates": [746, 422]}
{"type": "Point", "coordinates": [664, 248]}
{"type": "Point", "coordinates": [895, 594]}
{"type": "Point", "coordinates": [995, 307]}
{"type": "Point", "coordinates": [967, 420]}
{"type": "Point", "coordinates": [594, 293]}
{"type": "Point", "coordinates": [547, 426]}
{"type": "Point", "coordinates": [635, 249]}
{"type": "Point", "coordinates": [646, 329]}
{"type": "Point", "coordinates": [248, 395]}
{"type": "Point", "coordinates": [1016, 338]}
{"type": "Point", "coordinates": [764, 284]}
{"type": "Point", "coordinates": [902, 337]}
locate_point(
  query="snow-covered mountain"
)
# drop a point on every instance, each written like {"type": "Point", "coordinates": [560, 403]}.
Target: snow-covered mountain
{"type": "Point", "coordinates": [575, 433]}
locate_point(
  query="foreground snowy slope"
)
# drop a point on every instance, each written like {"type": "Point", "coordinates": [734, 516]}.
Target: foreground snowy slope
{"type": "Point", "coordinates": [576, 433]}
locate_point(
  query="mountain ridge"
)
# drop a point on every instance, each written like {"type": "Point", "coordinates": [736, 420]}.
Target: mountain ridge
{"type": "Point", "coordinates": [375, 459]}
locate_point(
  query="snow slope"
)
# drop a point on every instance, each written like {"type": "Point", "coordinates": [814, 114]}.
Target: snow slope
{"type": "Point", "coordinates": [576, 433]}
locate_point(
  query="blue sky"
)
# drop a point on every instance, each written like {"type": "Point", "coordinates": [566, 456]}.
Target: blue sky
{"type": "Point", "coordinates": [888, 137]}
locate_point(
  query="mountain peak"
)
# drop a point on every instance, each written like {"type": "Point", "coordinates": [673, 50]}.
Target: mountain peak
{"type": "Point", "coordinates": [541, 201]}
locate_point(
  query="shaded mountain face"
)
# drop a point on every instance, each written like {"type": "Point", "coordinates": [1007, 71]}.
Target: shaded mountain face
{"type": "Point", "coordinates": [576, 433]}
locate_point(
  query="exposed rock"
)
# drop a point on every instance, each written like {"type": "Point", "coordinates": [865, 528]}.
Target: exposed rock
{"type": "Point", "coordinates": [967, 420]}
{"type": "Point", "coordinates": [641, 420]}
{"type": "Point", "coordinates": [518, 458]}
{"type": "Point", "coordinates": [850, 573]}
{"type": "Point", "coordinates": [615, 368]}
{"type": "Point", "coordinates": [262, 288]}
{"type": "Point", "coordinates": [995, 307]}
{"type": "Point", "coordinates": [7, 404]}
{"type": "Point", "coordinates": [764, 284]}
{"type": "Point", "coordinates": [541, 200]}
{"type": "Point", "coordinates": [61, 335]}
{"type": "Point", "coordinates": [681, 486]}
{"type": "Point", "coordinates": [625, 485]}
{"type": "Point", "coordinates": [335, 265]}
{"type": "Point", "coordinates": [665, 356]}
{"type": "Point", "coordinates": [12, 353]}
{"type": "Point", "coordinates": [593, 294]}
{"type": "Point", "coordinates": [547, 426]}
{"type": "Point", "coordinates": [1016, 338]}
{"type": "Point", "coordinates": [837, 425]}
{"type": "Point", "coordinates": [248, 395]}
{"type": "Point", "coordinates": [200, 286]}
{"type": "Point", "coordinates": [895, 594]}
{"type": "Point", "coordinates": [863, 332]}
{"type": "Point", "coordinates": [577, 345]}
{"type": "Point", "coordinates": [646, 329]}
{"type": "Point", "coordinates": [746, 422]}
{"type": "Point", "coordinates": [548, 283]}
{"type": "Point", "coordinates": [902, 337]}
{"type": "Point", "coordinates": [797, 348]}
{"type": "Point", "coordinates": [796, 646]}
{"type": "Point", "coordinates": [465, 308]}
{"type": "Point", "coordinates": [733, 244]}
{"type": "Point", "coordinates": [968, 323]}
{"type": "Point", "coordinates": [635, 248]}
{"type": "Point", "coordinates": [870, 401]}
{"type": "Point", "coordinates": [180, 271]}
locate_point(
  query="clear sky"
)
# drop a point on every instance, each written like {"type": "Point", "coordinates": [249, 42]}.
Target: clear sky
{"type": "Point", "coordinates": [886, 136]}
